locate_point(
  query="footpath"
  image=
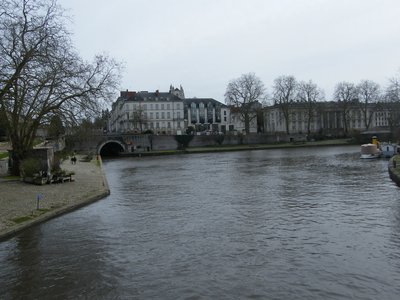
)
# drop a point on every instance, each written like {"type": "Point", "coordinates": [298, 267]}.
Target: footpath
{"type": "Point", "coordinates": [18, 200]}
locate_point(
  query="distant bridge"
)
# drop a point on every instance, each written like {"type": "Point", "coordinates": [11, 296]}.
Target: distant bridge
{"type": "Point", "coordinates": [114, 144]}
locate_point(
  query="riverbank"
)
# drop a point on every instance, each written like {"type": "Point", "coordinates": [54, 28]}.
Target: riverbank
{"type": "Point", "coordinates": [18, 200]}
{"type": "Point", "coordinates": [227, 148]}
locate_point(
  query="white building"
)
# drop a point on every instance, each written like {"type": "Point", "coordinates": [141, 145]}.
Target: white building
{"type": "Point", "coordinates": [160, 112]}
{"type": "Point", "coordinates": [325, 117]}
{"type": "Point", "coordinates": [167, 113]}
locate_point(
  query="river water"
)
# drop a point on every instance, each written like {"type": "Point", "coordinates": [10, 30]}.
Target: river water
{"type": "Point", "coordinates": [313, 223]}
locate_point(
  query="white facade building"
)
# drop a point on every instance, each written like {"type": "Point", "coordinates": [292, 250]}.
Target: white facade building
{"type": "Point", "coordinates": [325, 117]}
{"type": "Point", "coordinates": [136, 112]}
{"type": "Point", "coordinates": [167, 113]}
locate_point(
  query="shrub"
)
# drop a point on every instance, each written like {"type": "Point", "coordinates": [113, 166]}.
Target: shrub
{"type": "Point", "coordinates": [30, 166]}
{"type": "Point", "coordinates": [183, 141]}
{"type": "Point", "coordinates": [219, 139]}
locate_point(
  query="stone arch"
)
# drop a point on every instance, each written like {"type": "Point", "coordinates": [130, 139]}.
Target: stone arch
{"type": "Point", "coordinates": [111, 148]}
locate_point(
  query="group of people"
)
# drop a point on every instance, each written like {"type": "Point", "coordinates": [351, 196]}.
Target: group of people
{"type": "Point", "coordinates": [73, 160]}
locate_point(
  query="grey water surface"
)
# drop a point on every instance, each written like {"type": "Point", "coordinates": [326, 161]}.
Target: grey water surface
{"type": "Point", "coordinates": [316, 223]}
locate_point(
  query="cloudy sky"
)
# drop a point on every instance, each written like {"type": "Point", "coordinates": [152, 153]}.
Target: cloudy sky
{"type": "Point", "coordinates": [203, 44]}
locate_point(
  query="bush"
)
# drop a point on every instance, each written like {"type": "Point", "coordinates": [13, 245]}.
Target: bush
{"type": "Point", "coordinates": [183, 141]}
{"type": "Point", "coordinates": [219, 139]}
{"type": "Point", "coordinates": [30, 167]}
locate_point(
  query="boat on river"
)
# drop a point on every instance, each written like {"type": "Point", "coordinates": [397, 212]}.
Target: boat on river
{"type": "Point", "coordinates": [388, 149]}
{"type": "Point", "coordinates": [370, 151]}
{"type": "Point", "coordinates": [375, 149]}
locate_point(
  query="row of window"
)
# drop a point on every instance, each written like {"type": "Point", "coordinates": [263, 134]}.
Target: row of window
{"type": "Point", "coordinates": [158, 125]}
{"type": "Point", "coordinates": [155, 106]}
{"type": "Point", "coordinates": [157, 115]}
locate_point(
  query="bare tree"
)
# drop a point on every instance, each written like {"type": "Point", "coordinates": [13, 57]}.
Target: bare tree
{"type": "Point", "coordinates": [244, 94]}
{"type": "Point", "coordinates": [391, 103]}
{"type": "Point", "coordinates": [309, 94]}
{"type": "Point", "coordinates": [345, 94]}
{"type": "Point", "coordinates": [41, 75]}
{"type": "Point", "coordinates": [368, 93]}
{"type": "Point", "coordinates": [139, 118]}
{"type": "Point", "coordinates": [284, 94]}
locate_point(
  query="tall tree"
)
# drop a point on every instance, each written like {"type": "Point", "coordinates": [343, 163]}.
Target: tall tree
{"type": "Point", "coordinates": [346, 95]}
{"type": "Point", "coordinates": [41, 74]}
{"type": "Point", "coordinates": [138, 118]}
{"type": "Point", "coordinates": [368, 93]}
{"type": "Point", "coordinates": [391, 103]}
{"type": "Point", "coordinates": [309, 94]}
{"type": "Point", "coordinates": [244, 94]}
{"type": "Point", "coordinates": [284, 94]}
{"type": "Point", "coordinates": [56, 127]}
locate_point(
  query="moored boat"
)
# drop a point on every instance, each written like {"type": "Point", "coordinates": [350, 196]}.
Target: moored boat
{"type": "Point", "coordinates": [388, 149]}
{"type": "Point", "coordinates": [370, 151]}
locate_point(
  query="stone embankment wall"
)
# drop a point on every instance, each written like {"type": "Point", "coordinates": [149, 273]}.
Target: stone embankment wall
{"type": "Point", "coordinates": [394, 169]}
{"type": "Point", "coordinates": [168, 142]}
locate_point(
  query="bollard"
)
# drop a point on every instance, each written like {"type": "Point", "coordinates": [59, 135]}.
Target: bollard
{"type": "Point", "coordinates": [38, 198]}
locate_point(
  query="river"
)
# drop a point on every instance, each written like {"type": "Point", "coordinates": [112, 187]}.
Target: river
{"type": "Point", "coordinates": [315, 223]}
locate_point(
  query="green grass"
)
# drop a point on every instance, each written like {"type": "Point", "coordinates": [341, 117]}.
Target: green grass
{"type": "Point", "coordinates": [20, 220]}
{"type": "Point", "coordinates": [38, 212]}
{"type": "Point", "coordinates": [11, 177]}
{"type": "Point", "coordinates": [3, 155]}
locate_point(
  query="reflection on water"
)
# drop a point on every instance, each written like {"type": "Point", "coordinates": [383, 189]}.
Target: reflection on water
{"type": "Point", "coordinates": [297, 223]}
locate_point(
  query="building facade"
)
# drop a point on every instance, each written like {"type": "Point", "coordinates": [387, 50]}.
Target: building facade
{"type": "Point", "coordinates": [329, 118]}
{"type": "Point", "coordinates": [169, 113]}
{"type": "Point", "coordinates": [206, 115]}
{"type": "Point", "coordinates": [160, 112]}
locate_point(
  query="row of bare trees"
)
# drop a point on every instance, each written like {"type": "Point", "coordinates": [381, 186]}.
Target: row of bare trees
{"type": "Point", "coordinates": [246, 93]}
{"type": "Point", "coordinates": [42, 76]}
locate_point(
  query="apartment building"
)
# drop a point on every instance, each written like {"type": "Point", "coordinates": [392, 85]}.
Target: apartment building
{"type": "Point", "coordinates": [168, 113]}
{"type": "Point", "coordinates": [160, 112]}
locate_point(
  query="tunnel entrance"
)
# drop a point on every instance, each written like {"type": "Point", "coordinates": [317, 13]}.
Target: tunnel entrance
{"type": "Point", "coordinates": [111, 149]}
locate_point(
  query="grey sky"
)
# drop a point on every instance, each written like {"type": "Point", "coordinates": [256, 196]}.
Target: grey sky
{"type": "Point", "coordinates": [203, 44]}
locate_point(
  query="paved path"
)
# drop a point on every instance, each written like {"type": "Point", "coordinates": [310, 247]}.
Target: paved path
{"type": "Point", "coordinates": [18, 199]}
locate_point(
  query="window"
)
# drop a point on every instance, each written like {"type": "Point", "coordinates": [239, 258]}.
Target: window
{"type": "Point", "coordinates": [162, 106]}
{"type": "Point", "coordinates": [144, 106]}
{"type": "Point", "coordinates": [168, 115]}
{"type": "Point", "coordinates": [157, 125]}
{"type": "Point", "coordinates": [157, 106]}
{"type": "Point", "coordinates": [163, 115]}
{"type": "Point", "coordinates": [178, 106]}
{"type": "Point", "coordinates": [169, 125]}
{"type": "Point", "coordinates": [168, 106]}
{"type": "Point", "coordinates": [157, 115]}
{"type": "Point", "coordinates": [151, 106]}
{"type": "Point", "coordinates": [151, 115]}
{"type": "Point", "coordinates": [179, 124]}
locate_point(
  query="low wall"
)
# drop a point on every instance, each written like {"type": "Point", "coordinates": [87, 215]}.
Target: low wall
{"type": "Point", "coordinates": [394, 169]}
{"type": "Point", "coordinates": [163, 142]}
{"type": "Point", "coordinates": [168, 142]}
{"type": "Point", "coordinates": [3, 167]}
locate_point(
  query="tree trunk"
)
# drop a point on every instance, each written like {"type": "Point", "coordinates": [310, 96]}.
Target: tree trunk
{"type": "Point", "coordinates": [247, 124]}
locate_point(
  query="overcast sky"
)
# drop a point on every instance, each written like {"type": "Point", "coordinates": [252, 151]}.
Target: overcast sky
{"type": "Point", "coordinates": [203, 44]}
